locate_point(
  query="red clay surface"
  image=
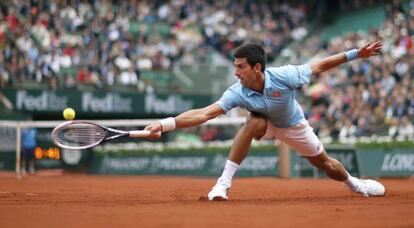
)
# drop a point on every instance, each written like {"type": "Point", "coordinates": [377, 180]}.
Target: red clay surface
{"type": "Point", "coordinates": [153, 201]}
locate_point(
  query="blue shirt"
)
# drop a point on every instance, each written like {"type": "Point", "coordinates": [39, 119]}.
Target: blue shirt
{"type": "Point", "coordinates": [277, 103]}
{"type": "Point", "coordinates": [29, 137]}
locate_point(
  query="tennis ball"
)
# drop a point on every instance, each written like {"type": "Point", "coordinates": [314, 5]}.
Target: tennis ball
{"type": "Point", "coordinates": [69, 114]}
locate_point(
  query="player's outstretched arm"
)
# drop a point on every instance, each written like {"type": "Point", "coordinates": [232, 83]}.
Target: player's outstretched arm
{"type": "Point", "coordinates": [186, 119]}
{"type": "Point", "coordinates": [369, 49]}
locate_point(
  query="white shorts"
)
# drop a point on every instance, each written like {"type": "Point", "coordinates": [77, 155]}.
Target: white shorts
{"type": "Point", "coordinates": [300, 137]}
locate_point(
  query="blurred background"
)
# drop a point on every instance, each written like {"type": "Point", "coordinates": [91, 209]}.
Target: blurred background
{"type": "Point", "coordinates": [153, 59]}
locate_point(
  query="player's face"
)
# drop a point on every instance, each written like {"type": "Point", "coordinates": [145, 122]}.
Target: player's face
{"type": "Point", "coordinates": [244, 72]}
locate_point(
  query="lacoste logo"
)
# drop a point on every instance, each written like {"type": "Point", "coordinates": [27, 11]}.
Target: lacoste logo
{"type": "Point", "coordinates": [276, 93]}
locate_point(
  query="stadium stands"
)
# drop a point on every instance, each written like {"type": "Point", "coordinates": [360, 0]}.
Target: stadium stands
{"type": "Point", "coordinates": [168, 46]}
{"type": "Point", "coordinates": [364, 98]}
{"type": "Point", "coordinates": [55, 39]}
{"type": "Point", "coordinates": [361, 20]}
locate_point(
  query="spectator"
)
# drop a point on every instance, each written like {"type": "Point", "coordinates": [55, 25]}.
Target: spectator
{"type": "Point", "coordinates": [28, 147]}
{"type": "Point", "coordinates": [406, 129]}
{"type": "Point", "coordinates": [128, 77]}
{"type": "Point", "coordinates": [84, 76]}
{"type": "Point", "coordinates": [69, 82]}
{"type": "Point", "coordinates": [348, 130]}
{"type": "Point", "coordinates": [393, 130]}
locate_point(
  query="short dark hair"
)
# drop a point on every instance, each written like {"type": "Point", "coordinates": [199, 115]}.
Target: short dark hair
{"type": "Point", "coordinates": [254, 54]}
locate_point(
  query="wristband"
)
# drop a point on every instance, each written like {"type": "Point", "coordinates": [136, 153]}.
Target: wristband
{"type": "Point", "coordinates": [168, 124]}
{"type": "Point", "coordinates": [351, 54]}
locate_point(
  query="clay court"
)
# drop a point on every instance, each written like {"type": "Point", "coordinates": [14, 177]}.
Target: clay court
{"type": "Point", "coordinates": [154, 201]}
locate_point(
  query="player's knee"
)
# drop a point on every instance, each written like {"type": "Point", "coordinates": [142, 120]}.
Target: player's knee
{"type": "Point", "coordinates": [256, 125]}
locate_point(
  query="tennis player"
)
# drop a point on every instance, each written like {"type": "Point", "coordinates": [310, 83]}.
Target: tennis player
{"type": "Point", "coordinates": [269, 95]}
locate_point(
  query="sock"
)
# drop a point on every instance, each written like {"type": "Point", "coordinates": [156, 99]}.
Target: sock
{"type": "Point", "coordinates": [351, 182]}
{"type": "Point", "coordinates": [229, 170]}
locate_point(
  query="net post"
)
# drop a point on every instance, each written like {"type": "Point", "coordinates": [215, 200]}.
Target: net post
{"type": "Point", "coordinates": [18, 151]}
{"type": "Point", "coordinates": [284, 160]}
{"type": "Point", "coordinates": [315, 173]}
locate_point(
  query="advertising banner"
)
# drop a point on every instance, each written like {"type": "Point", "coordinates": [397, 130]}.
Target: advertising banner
{"type": "Point", "coordinates": [186, 163]}
{"type": "Point", "coordinates": [398, 162]}
{"type": "Point", "coordinates": [40, 101]}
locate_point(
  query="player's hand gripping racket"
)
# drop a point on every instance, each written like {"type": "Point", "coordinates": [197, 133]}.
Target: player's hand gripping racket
{"type": "Point", "coordinates": [82, 134]}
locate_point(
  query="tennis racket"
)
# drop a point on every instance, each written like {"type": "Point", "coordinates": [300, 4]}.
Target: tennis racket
{"type": "Point", "coordinates": [82, 134]}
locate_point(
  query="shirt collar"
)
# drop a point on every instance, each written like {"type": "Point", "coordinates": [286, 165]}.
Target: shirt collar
{"type": "Point", "coordinates": [248, 91]}
{"type": "Point", "coordinates": [267, 85]}
{"type": "Point", "coordinates": [267, 81]}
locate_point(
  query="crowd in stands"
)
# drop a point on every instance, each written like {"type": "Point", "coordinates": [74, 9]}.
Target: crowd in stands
{"type": "Point", "coordinates": [109, 42]}
{"type": "Point", "coordinates": [228, 24]}
{"type": "Point", "coordinates": [112, 42]}
{"type": "Point", "coordinates": [365, 98]}
{"type": "Point", "coordinates": [106, 42]}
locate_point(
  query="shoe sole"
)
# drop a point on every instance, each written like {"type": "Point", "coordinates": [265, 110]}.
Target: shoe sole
{"type": "Point", "coordinates": [385, 193]}
{"type": "Point", "coordinates": [218, 198]}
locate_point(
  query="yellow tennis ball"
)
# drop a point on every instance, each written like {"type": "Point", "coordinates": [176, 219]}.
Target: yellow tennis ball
{"type": "Point", "coordinates": [69, 114]}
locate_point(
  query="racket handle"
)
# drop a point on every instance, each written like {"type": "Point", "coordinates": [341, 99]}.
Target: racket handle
{"type": "Point", "coordinates": [142, 134]}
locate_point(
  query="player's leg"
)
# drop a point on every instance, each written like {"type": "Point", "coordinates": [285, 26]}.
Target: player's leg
{"type": "Point", "coordinates": [332, 167]}
{"type": "Point", "coordinates": [31, 161]}
{"type": "Point", "coordinates": [335, 170]}
{"type": "Point", "coordinates": [302, 138]}
{"type": "Point", "coordinates": [255, 127]}
{"type": "Point", "coordinates": [24, 156]}
{"type": "Point", "coordinates": [23, 166]}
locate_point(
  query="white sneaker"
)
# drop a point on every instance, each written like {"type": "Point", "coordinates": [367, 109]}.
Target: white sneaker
{"type": "Point", "coordinates": [369, 188]}
{"type": "Point", "coordinates": [219, 193]}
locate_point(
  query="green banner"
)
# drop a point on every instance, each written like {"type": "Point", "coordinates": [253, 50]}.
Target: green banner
{"type": "Point", "coordinates": [8, 162]}
{"type": "Point", "coordinates": [39, 101]}
{"type": "Point", "coordinates": [397, 162]}
{"type": "Point", "coordinates": [366, 162]}
{"type": "Point", "coordinates": [186, 163]}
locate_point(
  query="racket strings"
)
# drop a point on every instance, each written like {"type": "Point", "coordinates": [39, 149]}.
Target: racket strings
{"type": "Point", "coordinates": [80, 134]}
